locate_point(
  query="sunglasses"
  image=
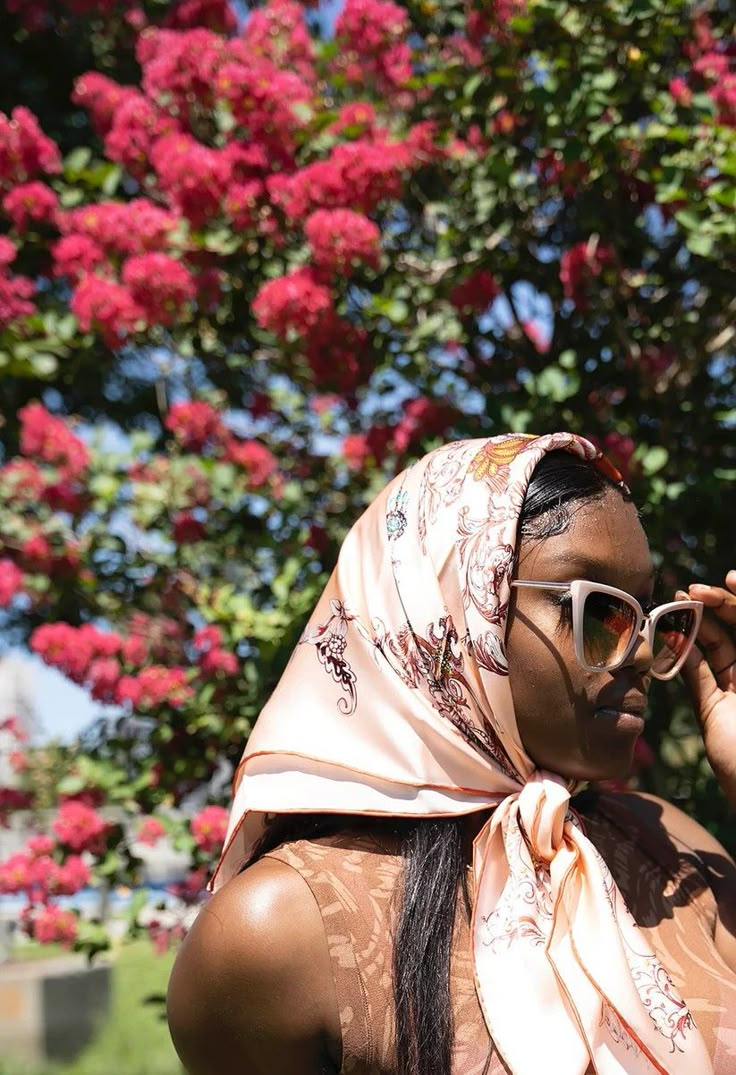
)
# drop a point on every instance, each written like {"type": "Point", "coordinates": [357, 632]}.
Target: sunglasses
{"type": "Point", "coordinates": [607, 624]}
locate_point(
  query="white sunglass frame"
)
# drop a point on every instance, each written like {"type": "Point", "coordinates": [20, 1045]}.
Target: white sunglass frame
{"type": "Point", "coordinates": [645, 624]}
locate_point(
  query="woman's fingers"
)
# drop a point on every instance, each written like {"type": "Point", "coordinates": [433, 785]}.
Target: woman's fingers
{"type": "Point", "coordinates": [720, 600]}
{"type": "Point", "coordinates": [702, 685]}
{"type": "Point", "coordinates": [714, 639]}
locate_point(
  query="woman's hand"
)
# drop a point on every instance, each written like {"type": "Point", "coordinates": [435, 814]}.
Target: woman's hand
{"type": "Point", "coordinates": [710, 673]}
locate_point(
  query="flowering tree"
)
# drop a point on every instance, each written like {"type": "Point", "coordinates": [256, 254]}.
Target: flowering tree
{"type": "Point", "coordinates": [259, 267]}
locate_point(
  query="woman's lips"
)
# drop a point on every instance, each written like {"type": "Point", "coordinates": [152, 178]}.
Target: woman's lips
{"type": "Point", "coordinates": [631, 720]}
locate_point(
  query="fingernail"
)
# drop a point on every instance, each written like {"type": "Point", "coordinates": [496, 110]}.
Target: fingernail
{"type": "Point", "coordinates": [700, 588]}
{"type": "Point", "coordinates": [680, 595]}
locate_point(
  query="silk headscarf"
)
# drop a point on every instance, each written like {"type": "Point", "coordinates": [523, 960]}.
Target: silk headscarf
{"type": "Point", "coordinates": [396, 701]}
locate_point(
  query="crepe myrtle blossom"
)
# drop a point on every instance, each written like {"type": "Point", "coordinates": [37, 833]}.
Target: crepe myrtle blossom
{"type": "Point", "coordinates": [371, 35]}
{"type": "Point", "coordinates": [150, 831]}
{"type": "Point", "coordinates": [154, 686]}
{"type": "Point", "coordinates": [15, 291]}
{"type": "Point", "coordinates": [122, 228]}
{"type": "Point", "coordinates": [342, 240]}
{"type": "Point", "coordinates": [76, 256]}
{"type": "Point", "coordinates": [25, 151]}
{"type": "Point", "coordinates": [49, 439]}
{"type": "Point", "coordinates": [195, 424]}
{"type": "Point", "coordinates": [292, 303]}
{"type": "Point", "coordinates": [278, 32]}
{"type": "Point", "coordinates": [194, 177]}
{"type": "Point", "coordinates": [11, 581]}
{"type": "Point", "coordinates": [136, 124]}
{"type": "Point", "coordinates": [160, 285]}
{"type": "Point", "coordinates": [208, 829]}
{"type": "Point", "coordinates": [216, 15]}
{"type": "Point", "coordinates": [254, 458]}
{"type": "Point", "coordinates": [79, 827]}
{"type": "Point", "coordinates": [101, 97]}
{"type": "Point", "coordinates": [30, 203]}
{"type": "Point", "coordinates": [476, 293]}
{"type": "Point", "coordinates": [579, 265]}
{"type": "Point", "coordinates": [52, 925]}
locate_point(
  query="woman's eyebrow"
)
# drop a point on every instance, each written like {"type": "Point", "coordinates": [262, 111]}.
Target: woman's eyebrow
{"type": "Point", "coordinates": [594, 568]}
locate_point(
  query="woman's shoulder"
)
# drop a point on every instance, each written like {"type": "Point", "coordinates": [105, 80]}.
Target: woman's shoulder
{"type": "Point", "coordinates": [665, 829]}
{"type": "Point", "coordinates": [656, 817]}
{"type": "Point", "coordinates": [252, 988]}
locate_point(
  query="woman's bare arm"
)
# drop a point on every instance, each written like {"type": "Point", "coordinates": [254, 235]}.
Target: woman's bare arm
{"type": "Point", "coordinates": [251, 992]}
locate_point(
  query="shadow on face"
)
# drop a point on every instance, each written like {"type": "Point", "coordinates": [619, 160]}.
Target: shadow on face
{"type": "Point", "coordinates": [580, 724]}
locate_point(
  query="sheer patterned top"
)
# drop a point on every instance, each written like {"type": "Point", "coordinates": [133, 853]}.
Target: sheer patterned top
{"type": "Point", "coordinates": [354, 880]}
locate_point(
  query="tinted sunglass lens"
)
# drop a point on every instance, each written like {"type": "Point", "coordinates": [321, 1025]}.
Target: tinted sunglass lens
{"type": "Point", "coordinates": [672, 634]}
{"type": "Point", "coordinates": [608, 625]}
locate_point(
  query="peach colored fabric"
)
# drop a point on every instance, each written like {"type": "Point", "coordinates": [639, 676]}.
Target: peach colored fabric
{"type": "Point", "coordinates": [396, 701]}
{"type": "Point", "coordinates": [355, 880]}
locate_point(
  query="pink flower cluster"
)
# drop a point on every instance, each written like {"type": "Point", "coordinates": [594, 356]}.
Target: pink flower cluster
{"type": "Point", "coordinates": [103, 304]}
{"type": "Point", "coordinates": [50, 440]}
{"type": "Point", "coordinates": [422, 418]}
{"type": "Point", "coordinates": [194, 177]}
{"type": "Point", "coordinates": [195, 424]}
{"type": "Point", "coordinates": [15, 291]}
{"type": "Point", "coordinates": [371, 35]}
{"type": "Point", "coordinates": [52, 925]}
{"type": "Point", "coordinates": [292, 304]}
{"type": "Point", "coordinates": [80, 827]}
{"type": "Point", "coordinates": [278, 32]}
{"type": "Point", "coordinates": [150, 831]}
{"type": "Point", "coordinates": [11, 581]}
{"type": "Point", "coordinates": [30, 203]}
{"type": "Point", "coordinates": [160, 285]}
{"type": "Point", "coordinates": [74, 650]}
{"type": "Point", "coordinates": [155, 288]}
{"type": "Point", "coordinates": [136, 125]}
{"type": "Point", "coordinates": [269, 105]}
{"type": "Point", "coordinates": [122, 228]}
{"type": "Point", "coordinates": [339, 355]}
{"type": "Point", "coordinates": [209, 828]}
{"type": "Point", "coordinates": [476, 293]}
{"type": "Point", "coordinates": [179, 68]}
{"type": "Point", "coordinates": [89, 657]}
{"type": "Point", "coordinates": [256, 460]}
{"type": "Point", "coordinates": [580, 265]}
{"type": "Point", "coordinates": [490, 17]}
{"type": "Point", "coordinates": [213, 660]}
{"type": "Point", "coordinates": [216, 15]}
{"type": "Point", "coordinates": [25, 151]}
{"type": "Point", "coordinates": [357, 175]}
{"type": "Point", "coordinates": [341, 240]}
{"type": "Point", "coordinates": [154, 686]}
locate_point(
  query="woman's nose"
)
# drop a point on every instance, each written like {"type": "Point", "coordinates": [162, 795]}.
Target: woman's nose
{"type": "Point", "coordinates": [641, 656]}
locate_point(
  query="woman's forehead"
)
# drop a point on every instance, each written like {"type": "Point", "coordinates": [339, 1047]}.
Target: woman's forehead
{"type": "Point", "coordinates": [604, 542]}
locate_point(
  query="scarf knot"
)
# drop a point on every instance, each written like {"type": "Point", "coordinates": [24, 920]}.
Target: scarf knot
{"type": "Point", "coordinates": [543, 806]}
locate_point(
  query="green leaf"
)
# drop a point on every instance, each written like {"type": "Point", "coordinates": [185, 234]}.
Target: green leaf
{"type": "Point", "coordinates": [653, 459]}
{"type": "Point", "coordinates": [76, 161]}
{"type": "Point", "coordinates": [701, 245]}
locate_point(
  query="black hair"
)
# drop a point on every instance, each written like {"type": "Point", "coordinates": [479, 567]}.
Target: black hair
{"type": "Point", "coordinates": [434, 849]}
{"type": "Point", "coordinates": [561, 482]}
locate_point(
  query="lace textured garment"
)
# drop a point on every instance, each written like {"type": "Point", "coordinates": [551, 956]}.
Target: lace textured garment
{"type": "Point", "coordinates": [354, 880]}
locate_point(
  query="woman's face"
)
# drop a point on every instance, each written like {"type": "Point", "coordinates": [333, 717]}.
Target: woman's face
{"type": "Point", "coordinates": [582, 725]}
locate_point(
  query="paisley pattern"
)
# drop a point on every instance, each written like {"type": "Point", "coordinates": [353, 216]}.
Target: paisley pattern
{"type": "Point", "coordinates": [397, 702]}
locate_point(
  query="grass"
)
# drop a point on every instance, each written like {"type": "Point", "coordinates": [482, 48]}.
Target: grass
{"type": "Point", "coordinates": [134, 1040]}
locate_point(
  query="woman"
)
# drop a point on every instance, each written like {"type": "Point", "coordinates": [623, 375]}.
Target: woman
{"type": "Point", "coordinates": [480, 654]}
